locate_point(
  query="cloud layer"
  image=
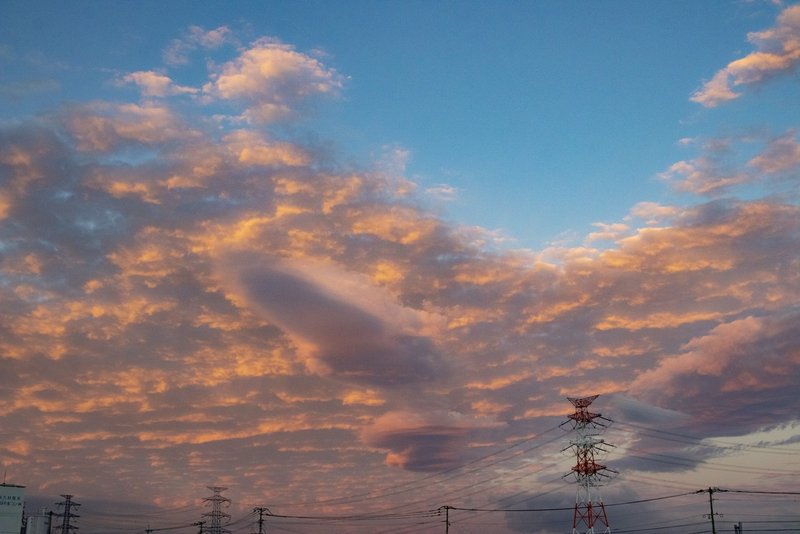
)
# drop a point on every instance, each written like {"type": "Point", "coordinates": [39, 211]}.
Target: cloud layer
{"type": "Point", "coordinates": [185, 303]}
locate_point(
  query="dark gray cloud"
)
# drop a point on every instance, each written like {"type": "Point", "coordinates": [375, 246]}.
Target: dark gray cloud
{"type": "Point", "coordinates": [353, 343]}
{"type": "Point", "coordinates": [425, 448]}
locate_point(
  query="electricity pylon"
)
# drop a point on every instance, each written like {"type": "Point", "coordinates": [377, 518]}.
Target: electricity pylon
{"type": "Point", "coordinates": [66, 517]}
{"type": "Point", "coordinates": [589, 474]}
{"type": "Point", "coordinates": [216, 515]}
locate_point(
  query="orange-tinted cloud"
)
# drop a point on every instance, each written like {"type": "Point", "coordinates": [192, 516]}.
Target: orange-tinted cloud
{"type": "Point", "coordinates": [272, 79]}
{"type": "Point", "coordinates": [745, 355]}
{"type": "Point", "coordinates": [108, 126]}
{"type": "Point", "coordinates": [715, 172]}
{"type": "Point", "coordinates": [181, 304]}
{"type": "Point", "coordinates": [778, 53]}
{"type": "Point", "coordinates": [153, 83]}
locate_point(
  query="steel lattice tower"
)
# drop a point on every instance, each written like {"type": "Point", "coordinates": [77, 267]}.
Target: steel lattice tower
{"type": "Point", "coordinates": [590, 512]}
{"type": "Point", "coordinates": [216, 515]}
{"type": "Point", "coordinates": [68, 504]}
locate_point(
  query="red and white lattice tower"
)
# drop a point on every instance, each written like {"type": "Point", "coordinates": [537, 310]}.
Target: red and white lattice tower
{"type": "Point", "coordinates": [589, 516]}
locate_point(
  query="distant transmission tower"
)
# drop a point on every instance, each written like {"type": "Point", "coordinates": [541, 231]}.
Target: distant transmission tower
{"type": "Point", "coordinates": [216, 515]}
{"type": "Point", "coordinates": [66, 516]}
{"type": "Point", "coordinates": [590, 513]}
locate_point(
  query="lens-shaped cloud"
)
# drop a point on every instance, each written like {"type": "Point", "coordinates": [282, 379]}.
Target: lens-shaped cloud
{"type": "Point", "coordinates": [348, 341]}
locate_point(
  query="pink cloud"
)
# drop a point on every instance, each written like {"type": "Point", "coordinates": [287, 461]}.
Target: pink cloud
{"type": "Point", "coordinates": [716, 171]}
{"type": "Point", "coordinates": [781, 155]}
{"type": "Point", "coordinates": [251, 149]}
{"type": "Point", "coordinates": [709, 355]}
{"type": "Point", "coordinates": [653, 213]}
{"type": "Point", "coordinates": [152, 83]}
{"type": "Point", "coordinates": [778, 53]}
{"type": "Point", "coordinates": [703, 176]}
{"type": "Point", "coordinates": [181, 303]}
{"type": "Point", "coordinates": [272, 79]}
{"type": "Point", "coordinates": [104, 127]}
{"type": "Point", "coordinates": [744, 355]}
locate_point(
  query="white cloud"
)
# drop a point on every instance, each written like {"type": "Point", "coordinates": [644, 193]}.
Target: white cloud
{"type": "Point", "coordinates": [153, 83]}
{"type": "Point", "coordinates": [177, 53]}
{"type": "Point", "coordinates": [443, 192]}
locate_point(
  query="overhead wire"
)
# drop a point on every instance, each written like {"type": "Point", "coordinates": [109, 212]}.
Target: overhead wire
{"type": "Point", "coordinates": [710, 442]}
{"type": "Point", "coordinates": [652, 529]}
{"type": "Point", "coordinates": [711, 465]}
{"type": "Point", "coordinates": [558, 509]}
{"type": "Point", "coordinates": [477, 465]}
{"type": "Point", "coordinates": [412, 485]}
{"type": "Point", "coordinates": [457, 474]}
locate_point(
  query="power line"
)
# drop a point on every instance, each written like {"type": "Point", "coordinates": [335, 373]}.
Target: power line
{"type": "Point", "coordinates": [721, 444]}
{"type": "Point", "coordinates": [415, 484]}
{"type": "Point", "coordinates": [359, 517]}
{"type": "Point", "coordinates": [756, 492]}
{"type": "Point", "coordinates": [176, 527]}
{"type": "Point", "coordinates": [714, 466]}
{"type": "Point", "coordinates": [588, 471]}
{"type": "Point", "coordinates": [561, 509]}
{"type": "Point", "coordinates": [261, 511]}
{"type": "Point", "coordinates": [652, 529]}
{"type": "Point", "coordinates": [216, 514]}
{"type": "Point", "coordinates": [413, 520]}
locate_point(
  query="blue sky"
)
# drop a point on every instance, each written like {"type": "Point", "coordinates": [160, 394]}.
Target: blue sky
{"type": "Point", "coordinates": [543, 117]}
{"type": "Point", "coordinates": [353, 257]}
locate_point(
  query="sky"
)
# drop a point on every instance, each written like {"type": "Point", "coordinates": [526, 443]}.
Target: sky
{"type": "Point", "coordinates": [349, 261]}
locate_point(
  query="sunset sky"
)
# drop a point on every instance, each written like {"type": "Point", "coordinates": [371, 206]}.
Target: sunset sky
{"type": "Point", "coordinates": [349, 258]}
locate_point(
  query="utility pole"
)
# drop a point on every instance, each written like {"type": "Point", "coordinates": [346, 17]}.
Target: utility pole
{"type": "Point", "coordinates": [447, 519]}
{"type": "Point", "coordinates": [68, 504]}
{"type": "Point", "coordinates": [712, 515]}
{"type": "Point", "coordinates": [261, 511]}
